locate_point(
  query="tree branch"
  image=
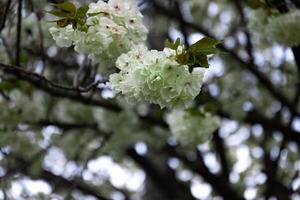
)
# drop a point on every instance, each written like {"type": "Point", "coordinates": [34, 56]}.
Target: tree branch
{"type": "Point", "coordinates": [166, 184]}
{"type": "Point", "coordinates": [65, 125]}
{"type": "Point", "coordinates": [219, 184]}
{"type": "Point", "coordinates": [19, 31]}
{"type": "Point", "coordinates": [5, 15]}
{"type": "Point", "coordinates": [55, 89]}
{"type": "Point", "coordinates": [221, 151]}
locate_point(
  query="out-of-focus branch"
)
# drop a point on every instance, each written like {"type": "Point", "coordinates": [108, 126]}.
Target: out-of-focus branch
{"type": "Point", "coordinates": [221, 152]}
{"type": "Point", "coordinates": [181, 26]}
{"type": "Point", "coordinates": [218, 183]}
{"type": "Point", "coordinates": [296, 52]}
{"type": "Point", "coordinates": [296, 3]}
{"type": "Point", "coordinates": [274, 124]}
{"type": "Point", "coordinates": [249, 46]}
{"type": "Point", "coordinates": [19, 31]}
{"type": "Point", "coordinates": [59, 181]}
{"type": "Point", "coordinates": [274, 186]}
{"type": "Point", "coordinates": [55, 89]}
{"type": "Point", "coordinates": [53, 61]}
{"type": "Point", "coordinates": [168, 185]}
{"type": "Point", "coordinates": [64, 125]}
{"type": "Point", "coordinates": [2, 25]}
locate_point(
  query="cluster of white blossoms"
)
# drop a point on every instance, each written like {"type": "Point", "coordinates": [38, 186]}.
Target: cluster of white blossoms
{"type": "Point", "coordinates": [114, 33]}
{"type": "Point", "coordinates": [191, 128]}
{"type": "Point", "coordinates": [64, 37]}
{"type": "Point", "coordinates": [156, 77]}
{"type": "Point", "coordinates": [283, 29]}
{"type": "Point", "coordinates": [113, 28]}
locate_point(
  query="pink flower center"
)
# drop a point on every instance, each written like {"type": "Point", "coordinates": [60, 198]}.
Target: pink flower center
{"type": "Point", "coordinates": [117, 7]}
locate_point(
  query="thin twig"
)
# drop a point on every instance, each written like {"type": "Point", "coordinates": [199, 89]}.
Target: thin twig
{"type": "Point", "coordinates": [5, 15]}
{"type": "Point", "coordinates": [56, 89]}
{"type": "Point", "coordinates": [19, 27]}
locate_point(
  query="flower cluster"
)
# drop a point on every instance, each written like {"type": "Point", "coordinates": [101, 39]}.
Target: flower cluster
{"type": "Point", "coordinates": [113, 28]}
{"type": "Point", "coordinates": [283, 29]}
{"type": "Point", "coordinates": [191, 127]}
{"type": "Point", "coordinates": [156, 77]}
{"type": "Point", "coordinates": [64, 37]}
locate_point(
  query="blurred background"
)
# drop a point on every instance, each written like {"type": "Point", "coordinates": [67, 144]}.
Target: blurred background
{"type": "Point", "coordinates": [59, 142]}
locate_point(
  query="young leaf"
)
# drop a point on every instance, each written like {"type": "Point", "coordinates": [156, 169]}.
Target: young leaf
{"type": "Point", "coordinates": [183, 58]}
{"type": "Point", "coordinates": [63, 22]}
{"type": "Point", "coordinates": [204, 43]}
{"type": "Point", "coordinates": [211, 107]}
{"type": "Point", "coordinates": [209, 51]}
{"type": "Point", "coordinates": [81, 11]}
{"type": "Point", "coordinates": [58, 13]}
{"type": "Point", "coordinates": [195, 112]}
{"type": "Point", "coordinates": [177, 43]}
{"type": "Point", "coordinates": [254, 3]}
{"type": "Point", "coordinates": [201, 60]}
{"type": "Point", "coordinates": [94, 14]}
{"type": "Point", "coordinates": [66, 6]}
{"type": "Point", "coordinates": [173, 45]}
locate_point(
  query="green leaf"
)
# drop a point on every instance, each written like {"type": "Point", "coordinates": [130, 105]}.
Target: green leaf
{"type": "Point", "coordinates": [196, 54]}
{"type": "Point", "coordinates": [94, 14]}
{"type": "Point", "coordinates": [58, 13]}
{"type": "Point", "coordinates": [195, 112]}
{"type": "Point", "coordinates": [69, 14]}
{"type": "Point", "coordinates": [83, 28]}
{"type": "Point", "coordinates": [173, 45]}
{"type": "Point", "coordinates": [204, 43]}
{"type": "Point", "coordinates": [254, 4]}
{"type": "Point", "coordinates": [209, 51]}
{"type": "Point", "coordinates": [66, 6]}
{"type": "Point", "coordinates": [81, 11]}
{"type": "Point", "coordinates": [63, 22]}
{"type": "Point", "coordinates": [177, 43]}
{"type": "Point", "coordinates": [211, 107]}
{"type": "Point", "coordinates": [201, 60]}
{"type": "Point", "coordinates": [81, 22]}
{"type": "Point", "coordinates": [183, 58]}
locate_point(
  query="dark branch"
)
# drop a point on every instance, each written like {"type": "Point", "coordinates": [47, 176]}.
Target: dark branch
{"type": "Point", "coordinates": [65, 125]}
{"type": "Point", "coordinates": [221, 151]}
{"type": "Point", "coordinates": [219, 184]}
{"type": "Point", "coordinates": [55, 89]}
{"type": "Point", "coordinates": [168, 185]}
{"type": "Point", "coordinates": [19, 33]}
{"type": "Point", "coordinates": [5, 15]}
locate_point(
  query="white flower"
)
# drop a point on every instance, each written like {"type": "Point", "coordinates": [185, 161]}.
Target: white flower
{"type": "Point", "coordinates": [64, 37]}
{"type": "Point", "coordinates": [113, 28]}
{"type": "Point", "coordinates": [99, 6]}
{"type": "Point", "coordinates": [191, 128]}
{"type": "Point", "coordinates": [283, 29]}
{"type": "Point", "coordinates": [154, 76]}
